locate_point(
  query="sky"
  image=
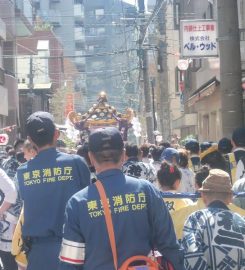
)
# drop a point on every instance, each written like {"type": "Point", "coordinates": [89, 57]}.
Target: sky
{"type": "Point", "coordinates": [132, 2]}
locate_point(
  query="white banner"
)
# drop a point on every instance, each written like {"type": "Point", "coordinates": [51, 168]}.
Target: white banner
{"type": "Point", "coordinates": [198, 38]}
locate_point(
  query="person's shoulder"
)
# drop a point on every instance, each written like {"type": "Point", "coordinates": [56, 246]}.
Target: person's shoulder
{"type": "Point", "coordinates": [239, 185]}
{"type": "Point", "coordinates": [237, 210]}
{"type": "Point", "coordinates": [186, 210]}
{"type": "Point", "coordinates": [82, 195]}
{"type": "Point", "coordinates": [22, 167]}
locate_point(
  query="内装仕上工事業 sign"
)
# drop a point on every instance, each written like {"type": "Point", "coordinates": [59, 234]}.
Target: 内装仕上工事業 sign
{"type": "Point", "coordinates": [199, 38]}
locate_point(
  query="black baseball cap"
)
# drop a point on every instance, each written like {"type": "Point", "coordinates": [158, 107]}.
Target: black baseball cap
{"type": "Point", "coordinates": [225, 146]}
{"type": "Point", "coordinates": [192, 145]}
{"type": "Point", "coordinates": [108, 138]}
{"type": "Point", "coordinates": [238, 137]}
{"type": "Point", "coordinates": [40, 124]}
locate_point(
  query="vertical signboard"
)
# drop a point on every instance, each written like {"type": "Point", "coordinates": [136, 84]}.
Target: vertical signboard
{"type": "Point", "coordinates": [198, 38]}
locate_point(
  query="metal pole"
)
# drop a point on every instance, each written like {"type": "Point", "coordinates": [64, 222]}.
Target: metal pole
{"type": "Point", "coordinates": [230, 66]}
{"type": "Point", "coordinates": [144, 66]}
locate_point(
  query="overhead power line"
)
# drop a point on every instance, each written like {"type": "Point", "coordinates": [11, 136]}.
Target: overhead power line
{"type": "Point", "coordinates": [69, 56]}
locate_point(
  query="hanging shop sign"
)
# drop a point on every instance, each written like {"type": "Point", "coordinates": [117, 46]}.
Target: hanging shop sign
{"type": "Point", "coordinates": [198, 38]}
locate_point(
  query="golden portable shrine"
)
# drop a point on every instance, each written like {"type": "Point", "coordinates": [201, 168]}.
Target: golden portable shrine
{"type": "Point", "coordinates": [100, 115]}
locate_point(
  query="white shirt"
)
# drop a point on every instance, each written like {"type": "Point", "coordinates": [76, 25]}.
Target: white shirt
{"type": "Point", "coordinates": [240, 168]}
{"type": "Point", "coordinates": [187, 183]}
{"type": "Point", "coordinates": [8, 188]}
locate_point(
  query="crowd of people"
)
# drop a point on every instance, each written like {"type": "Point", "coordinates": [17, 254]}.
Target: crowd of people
{"type": "Point", "coordinates": [182, 206]}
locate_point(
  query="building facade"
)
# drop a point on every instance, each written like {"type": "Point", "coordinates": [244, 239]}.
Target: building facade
{"type": "Point", "coordinates": [201, 97]}
{"type": "Point", "coordinates": [15, 21]}
{"type": "Point", "coordinates": [41, 72]}
{"type": "Point", "coordinates": [67, 21]}
{"type": "Point", "coordinates": [110, 38]}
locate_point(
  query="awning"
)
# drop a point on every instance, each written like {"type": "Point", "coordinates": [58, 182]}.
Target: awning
{"type": "Point", "coordinates": [38, 86]}
{"type": "Point", "coordinates": [203, 92]}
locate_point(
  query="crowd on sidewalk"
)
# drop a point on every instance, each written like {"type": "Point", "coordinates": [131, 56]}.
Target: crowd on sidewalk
{"type": "Point", "coordinates": [182, 206]}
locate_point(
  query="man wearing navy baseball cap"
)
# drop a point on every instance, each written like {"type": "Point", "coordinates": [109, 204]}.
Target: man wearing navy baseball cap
{"type": "Point", "coordinates": [140, 218]}
{"type": "Point", "coordinates": [193, 147]}
{"type": "Point", "coordinates": [46, 184]}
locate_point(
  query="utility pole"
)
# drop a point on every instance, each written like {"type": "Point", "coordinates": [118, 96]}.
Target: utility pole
{"type": "Point", "coordinates": [164, 109]}
{"type": "Point", "coordinates": [153, 103]}
{"type": "Point", "coordinates": [144, 67]}
{"type": "Point", "coordinates": [230, 66]}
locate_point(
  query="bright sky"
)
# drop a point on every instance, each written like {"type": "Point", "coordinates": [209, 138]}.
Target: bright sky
{"type": "Point", "coordinates": [132, 2]}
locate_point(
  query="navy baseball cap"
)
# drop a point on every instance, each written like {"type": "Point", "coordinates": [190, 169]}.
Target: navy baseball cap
{"type": "Point", "coordinates": [225, 145]}
{"type": "Point", "coordinates": [238, 137]}
{"type": "Point", "coordinates": [102, 139]}
{"type": "Point", "coordinates": [205, 145]}
{"type": "Point", "coordinates": [192, 144]}
{"type": "Point", "coordinates": [40, 124]}
{"type": "Point", "coordinates": [169, 153]}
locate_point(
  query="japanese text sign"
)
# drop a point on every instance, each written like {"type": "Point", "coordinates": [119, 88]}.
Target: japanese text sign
{"type": "Point", "coordinates": [199, 38]}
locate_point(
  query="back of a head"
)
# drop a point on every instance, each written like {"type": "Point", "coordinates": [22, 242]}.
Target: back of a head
{"type": "Point", "coordinates": [20, 157]}
{"type": "Point", "coordinates": [145, 150]}
{"type": "Point", "coordinates": [165, 144]}
{"type": "Point", "coordinates": [40, 128]}
{"type": "Point", "coordinates": [225, 146]}
{"type": "Point", "coordinates": [156, 153]}
{"type": "Point", "coordinates": [82, 151]}
{"type": "Point", "coordinates": [192, 146]}
{"type": "Point", "coordinates": [132, 150]}
{"type": "Point", "coordinates": [201, 175]}
{"type": "Point", "coordinates": [8, 147]}
{"type": "Point", "coordinates": [204, 146]}
{"type": "Point", "coordinates": [12, 153]}
{"type": "Point", "coordinates": [28, 145]}
{"type": "Point", "coordinates": [213, 158]}
{"type": "Point", "coordinates": [106, 145]}
{"type": "Point", "coordinates": [238, 137]}
{"type": "Point", "coordinates": [167, 175]}
{"type": "Point", "coordinates": [18, 144]}
{"type": "Point", "coordinates": [183, 158]}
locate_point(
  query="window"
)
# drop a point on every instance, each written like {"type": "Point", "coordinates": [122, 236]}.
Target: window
{"type": "Point", "coordinates": [206, 127]}
{"type": "Point", "coordinates": [99, 12]}
{"type": "Point", "coordinates": [79, 24]}
{"type": "Point", "coordinates": [195, 64]}
{"type": "Point", "coordinates": [90, 48]}
{"type": "Point", "coordinates": [211, 10]}
{"type": "Point", "coordinates": [179, 81]}
{"type": "Point", "coordinates": [97, 65]}
{"type": "Point", "coordinates": [79, 46]}
{"type": "Point", "coordinates": [92, 31]}
{"type": "Point", "coordinates": [100, 30]}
